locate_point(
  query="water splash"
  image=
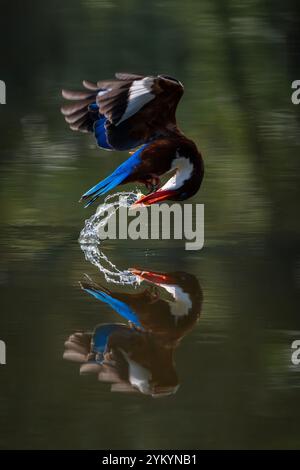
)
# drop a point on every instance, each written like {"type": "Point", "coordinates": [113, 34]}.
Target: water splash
{"type": "Point", "coordinates": [90, 241]}
{"type": "Point", "coordinates": [112, 203]}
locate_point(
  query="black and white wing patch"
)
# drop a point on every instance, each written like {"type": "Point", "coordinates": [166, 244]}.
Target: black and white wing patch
{"type": "Point", "coordinates": [140, 93]}
{"type": "Point", "coordinates": [120, 99]}
{"type": "Point", "coordinates": [124, 112]}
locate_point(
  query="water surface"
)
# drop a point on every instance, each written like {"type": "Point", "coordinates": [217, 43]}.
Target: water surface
{"type": "Point", "coordinates": [237, 386]}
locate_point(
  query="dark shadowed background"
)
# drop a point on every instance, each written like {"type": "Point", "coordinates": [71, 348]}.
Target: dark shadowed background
{"type": "Point", "coordinates": [237, 61]}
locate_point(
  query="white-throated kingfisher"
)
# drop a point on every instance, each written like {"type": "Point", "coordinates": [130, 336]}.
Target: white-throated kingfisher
{"type": "Point", "coordinates": [135, 111]}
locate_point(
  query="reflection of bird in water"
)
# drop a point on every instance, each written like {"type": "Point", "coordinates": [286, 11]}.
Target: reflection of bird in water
{"type": "Point", "coordinates": [169, 307]}
{"type": "Point", "coordinates": [130, 111]}
{"type": "Point", "coordinates": [130, 360]}
{"type": "Point", "coordinates": [139, 356]}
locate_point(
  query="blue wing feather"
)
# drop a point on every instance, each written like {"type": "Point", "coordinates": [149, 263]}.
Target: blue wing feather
{"type": "Point", "coordinates": [100, 133]}
{"type": "Point", "coordinates": [101, 336]}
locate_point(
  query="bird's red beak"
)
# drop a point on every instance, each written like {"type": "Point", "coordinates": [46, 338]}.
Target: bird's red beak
{"type": "Point", "coordinates": [157, 196]}
{"type": "Point", "coordinates": [151, 276]}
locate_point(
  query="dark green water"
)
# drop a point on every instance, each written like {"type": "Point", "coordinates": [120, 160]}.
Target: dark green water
{"type": "Point", "coordinates": [238, 387]}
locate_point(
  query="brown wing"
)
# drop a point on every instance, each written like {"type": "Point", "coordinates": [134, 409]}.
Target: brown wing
{"type": "Point", "coordinates": [127, 76]}
{"type": "Point", "coordinates": [78, 114]}
{"type": "Point", "coordinates": [131, 95]}
{"type": "Point", "coordinates": [110, 95]}
{"type": "Point", "coordinates": [137, 108]}
{"type": "Point", "coordinates": [168, 92]}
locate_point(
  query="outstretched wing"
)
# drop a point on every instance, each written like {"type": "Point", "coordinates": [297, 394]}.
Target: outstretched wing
{"type": "Point", "coordinates": [125, 112]}
{"type": "Point", "coordinates": [129, 95]}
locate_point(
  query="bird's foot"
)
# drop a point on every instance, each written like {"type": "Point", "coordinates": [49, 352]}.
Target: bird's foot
{"type": "Point", "coordinates": [153, 184]}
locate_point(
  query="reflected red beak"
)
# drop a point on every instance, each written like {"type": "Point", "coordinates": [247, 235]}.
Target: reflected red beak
{"type": "Point", "coordinates": [151, 276]}
{"type": "Point", "coordinates": [157, 196]}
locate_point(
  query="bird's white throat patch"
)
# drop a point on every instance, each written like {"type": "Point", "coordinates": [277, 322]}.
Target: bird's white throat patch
{"type": "Point", "coordinates": [184, 169]}
{"type": "Point", "coordinates": [181, 304]}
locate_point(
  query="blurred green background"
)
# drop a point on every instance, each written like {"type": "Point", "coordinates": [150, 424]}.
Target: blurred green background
{"type": "Point", "coordinates": [237, 61]}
